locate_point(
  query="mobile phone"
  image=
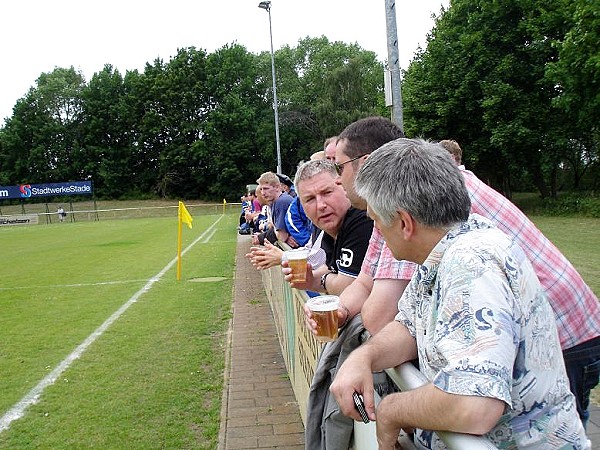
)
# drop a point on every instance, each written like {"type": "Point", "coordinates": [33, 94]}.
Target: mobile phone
{"type": "Point", "coordinates": [360, 407]}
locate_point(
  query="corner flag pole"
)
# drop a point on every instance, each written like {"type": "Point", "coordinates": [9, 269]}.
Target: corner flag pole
{"type": "Point", "coordinates": [183, 216]}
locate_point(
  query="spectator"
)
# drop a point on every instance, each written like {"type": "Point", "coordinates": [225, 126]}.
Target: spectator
{"type": "Point", "coordinates": [329, 148]}
{"type": "Point", "coordinates": [346, 228]}
{"type": "Point", "coordinates": [279, 201]}
{"type": "Point", "coordinates": [61, 213]}
{"type": "Point", "coordinates": [475, 314]}
{"type": "Point", "coordinates": [317, 155]}
{"type": "Point", "coordinates": [257, 218]}
{"type": "Point", "coordinates": [287, 185]}
{"type": "Point", "coordinates": [372, 293]}
{"type": "Point", "coordinates": [576, 307]}
{"type": "Point", "coordinates": [382, 279]}
{"type": "Point", "coordinates": [244, 227]}
{"type": "Point", "coordinates": [255, 203]}
{"type": "Point", "coordinates": [302, 231]}
{"type": "Point", "coordinates": [298, 224]}
{"type": "Point", "coordinates": [347, 232]}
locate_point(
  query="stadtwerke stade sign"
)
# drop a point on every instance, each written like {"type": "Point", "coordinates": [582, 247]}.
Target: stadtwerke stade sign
{"type": "Point", "coordinates": [45, 190]}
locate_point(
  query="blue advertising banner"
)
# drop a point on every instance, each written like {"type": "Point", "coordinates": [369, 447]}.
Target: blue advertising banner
{"type": "Point", "coordinates": [46, 190]}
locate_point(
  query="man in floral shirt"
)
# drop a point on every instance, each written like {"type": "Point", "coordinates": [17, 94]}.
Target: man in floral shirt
{"type": "Point", "coordinates": [474, 314]}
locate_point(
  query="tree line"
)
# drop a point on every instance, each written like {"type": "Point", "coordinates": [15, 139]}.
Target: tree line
{"type": "Point", "coordinates": [514, 82]}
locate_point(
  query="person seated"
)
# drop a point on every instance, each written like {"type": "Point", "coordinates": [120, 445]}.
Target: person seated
{"type": "Point", "coordinates": [474, 314]}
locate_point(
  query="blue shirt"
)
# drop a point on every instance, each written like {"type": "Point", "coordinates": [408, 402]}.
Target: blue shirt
{"type": "Point", "coordinates": [298, 224]}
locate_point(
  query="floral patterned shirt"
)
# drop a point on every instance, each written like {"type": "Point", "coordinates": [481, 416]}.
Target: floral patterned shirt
{"type": "Point", "coordinates": [484, 327]}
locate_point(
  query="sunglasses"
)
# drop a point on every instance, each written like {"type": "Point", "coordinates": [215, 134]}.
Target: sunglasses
{"type": "Point", "coordinates": [339, 168]}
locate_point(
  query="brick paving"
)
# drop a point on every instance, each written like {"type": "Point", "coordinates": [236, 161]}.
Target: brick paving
{"type": "Point", "coordinates": [259, 408]}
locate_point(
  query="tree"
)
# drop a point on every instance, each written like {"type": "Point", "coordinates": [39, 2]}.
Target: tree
{"type": "Point", "coordinates": [42, 139]}
{"type": "Point", "coordinates": [482, 81]}
{"type": "Point", "coordinates": [576, 72]}
{"type": "Point", "coordinates": [322, 87]}
{"type": "Point", "coordinates": [234, 151]}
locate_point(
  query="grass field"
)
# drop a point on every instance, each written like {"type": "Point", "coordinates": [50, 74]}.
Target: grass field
{"type": "Point", "coordinates": [153, 379]}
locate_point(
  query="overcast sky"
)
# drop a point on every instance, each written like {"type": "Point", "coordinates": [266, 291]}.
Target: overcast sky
{"type": "Point", "coordinates": [38, 35]}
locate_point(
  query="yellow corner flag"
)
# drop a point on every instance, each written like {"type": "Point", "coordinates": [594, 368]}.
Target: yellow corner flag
{"type": "Point", "coordinates": [183, 217]}
{"type": "Point", "coordinates": [224, 205]}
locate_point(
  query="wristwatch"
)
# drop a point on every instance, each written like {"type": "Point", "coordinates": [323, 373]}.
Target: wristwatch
{"type": "Point", "coordinates": [324, 281]}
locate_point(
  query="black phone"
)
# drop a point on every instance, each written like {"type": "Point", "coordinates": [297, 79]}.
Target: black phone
{"type": "Point", "coordinates": [360, 407]}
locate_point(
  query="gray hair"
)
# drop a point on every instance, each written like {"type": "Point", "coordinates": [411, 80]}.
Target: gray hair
{"type": "Point", "coordinates": [311, 168]}
{"type": "Point", "coordinates": [418, 177]}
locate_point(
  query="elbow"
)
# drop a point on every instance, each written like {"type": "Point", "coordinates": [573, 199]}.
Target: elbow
{"type": "Point", "coordinates": [375, 320]}
{"type": "Point", "coordinates": [480, 419]}
{"type": "Point", "coordinates": [371, 323]}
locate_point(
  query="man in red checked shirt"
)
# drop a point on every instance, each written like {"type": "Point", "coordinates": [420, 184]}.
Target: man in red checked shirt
{"type": "Point", "coordinates": [576, 307]}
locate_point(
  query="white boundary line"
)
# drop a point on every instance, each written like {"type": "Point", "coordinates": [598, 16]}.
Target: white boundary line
{"type": "Point", "coordinates": [32, 397]}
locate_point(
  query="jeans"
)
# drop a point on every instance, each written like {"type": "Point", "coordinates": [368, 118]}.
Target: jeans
{"type": "Point", "coordinates": [583, 369]}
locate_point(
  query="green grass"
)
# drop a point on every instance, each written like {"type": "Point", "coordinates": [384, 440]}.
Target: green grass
{"type": "Point", "coordinates": [154, 378]}
{"type": "Point", "coordinates": [578, 238]}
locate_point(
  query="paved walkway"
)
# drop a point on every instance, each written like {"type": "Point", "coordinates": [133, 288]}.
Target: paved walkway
{"type": "Point", "coordinates": [259, 407]}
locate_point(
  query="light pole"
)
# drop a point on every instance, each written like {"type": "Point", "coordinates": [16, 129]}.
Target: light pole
{"type": "Point", "coordinates": [267, 6]}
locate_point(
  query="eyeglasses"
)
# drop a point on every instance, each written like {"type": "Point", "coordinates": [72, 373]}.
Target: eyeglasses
{"type": "Point", "coordinates": [339, 168]}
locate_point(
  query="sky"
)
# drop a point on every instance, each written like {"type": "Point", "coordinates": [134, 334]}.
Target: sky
{"type": "Point", "coordinates": [37, 36]}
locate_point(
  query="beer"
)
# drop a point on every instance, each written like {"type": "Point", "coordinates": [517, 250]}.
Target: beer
{"type": "Point", "coordinates": [297, 262]}
{"type": "Point", "coordinates": [324, 312]}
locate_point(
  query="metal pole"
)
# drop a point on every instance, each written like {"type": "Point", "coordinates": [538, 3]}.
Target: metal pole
{"type": "Point", "coordinates": [267, 6]}
{"type": "Point", "coordinates": [394, 62]}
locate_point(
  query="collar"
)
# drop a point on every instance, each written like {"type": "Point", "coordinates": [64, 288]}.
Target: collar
{"type": "Point", "coordinates": [427, 272]}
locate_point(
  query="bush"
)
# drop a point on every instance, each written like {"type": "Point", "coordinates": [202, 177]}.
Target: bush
{"type": "Point", "coordinates": [585, 204]}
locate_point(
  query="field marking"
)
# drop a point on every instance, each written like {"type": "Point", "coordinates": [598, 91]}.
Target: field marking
{"type": "Point", "coordinates": [18, 410]}
{"type": "Point", "coordinates": [209, 236]}
{"type": "Point", "coordinates": [100, 283]}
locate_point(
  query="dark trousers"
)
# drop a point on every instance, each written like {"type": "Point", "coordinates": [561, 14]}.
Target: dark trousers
{"type": "Point", "coordinates": [583, 369]}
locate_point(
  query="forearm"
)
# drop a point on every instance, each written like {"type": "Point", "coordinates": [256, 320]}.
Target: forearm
{"type": "Point", "coordinates": [336, 283]}
{"type": "Point", "coordinates": [354, 296]}
{"type": "Point", "coordinates": [393, 345]}
{"type": "Point", "coordinates": [381, 306]}
{"type": "Point", "coordinates": [431, 408]}
{"type": "Point", "coordinates": [282, 235]}
{"type": "Point", "coordinates": [389, 348]}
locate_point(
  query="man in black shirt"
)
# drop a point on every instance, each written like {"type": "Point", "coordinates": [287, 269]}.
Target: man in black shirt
{"type": "Point", "coordinates": [347, 230]}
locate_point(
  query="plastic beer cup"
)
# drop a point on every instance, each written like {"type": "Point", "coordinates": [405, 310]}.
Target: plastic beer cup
{"type": "Point", "coordinates": [324, 312]}
{"type": "Point", "coordinates": [297, 261]}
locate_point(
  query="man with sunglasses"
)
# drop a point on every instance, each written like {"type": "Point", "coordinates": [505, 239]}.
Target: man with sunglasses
{"type": "Point", "coordinates": [375, 292]}
{"type": "Point", "coordinates": [381, 281]}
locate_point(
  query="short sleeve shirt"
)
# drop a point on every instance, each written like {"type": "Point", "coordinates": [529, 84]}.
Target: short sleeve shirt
{"type": "Point", "coordinates": [350, 246]}
{"type": "Point", "coordinates": [298, 224]}
{"type": "Point", "coordinates": [484, 327]}
{"type": "Point", "coordinates": [379, 262]}
{"type": "Point", "coordinates": [279, 209]}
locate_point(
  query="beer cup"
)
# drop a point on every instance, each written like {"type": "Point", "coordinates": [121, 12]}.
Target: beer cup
{"type": "Point", "coordinates": [324, 312]}
{"type": "Point", "coordinates": [297, 261]}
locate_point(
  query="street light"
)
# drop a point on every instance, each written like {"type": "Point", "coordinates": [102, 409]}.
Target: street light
{"type": "Point", "coordinates": [267, 6]}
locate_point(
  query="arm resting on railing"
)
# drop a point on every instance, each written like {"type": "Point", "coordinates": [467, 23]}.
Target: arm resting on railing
{"type": "Point", "coordinates": [407, 377]}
